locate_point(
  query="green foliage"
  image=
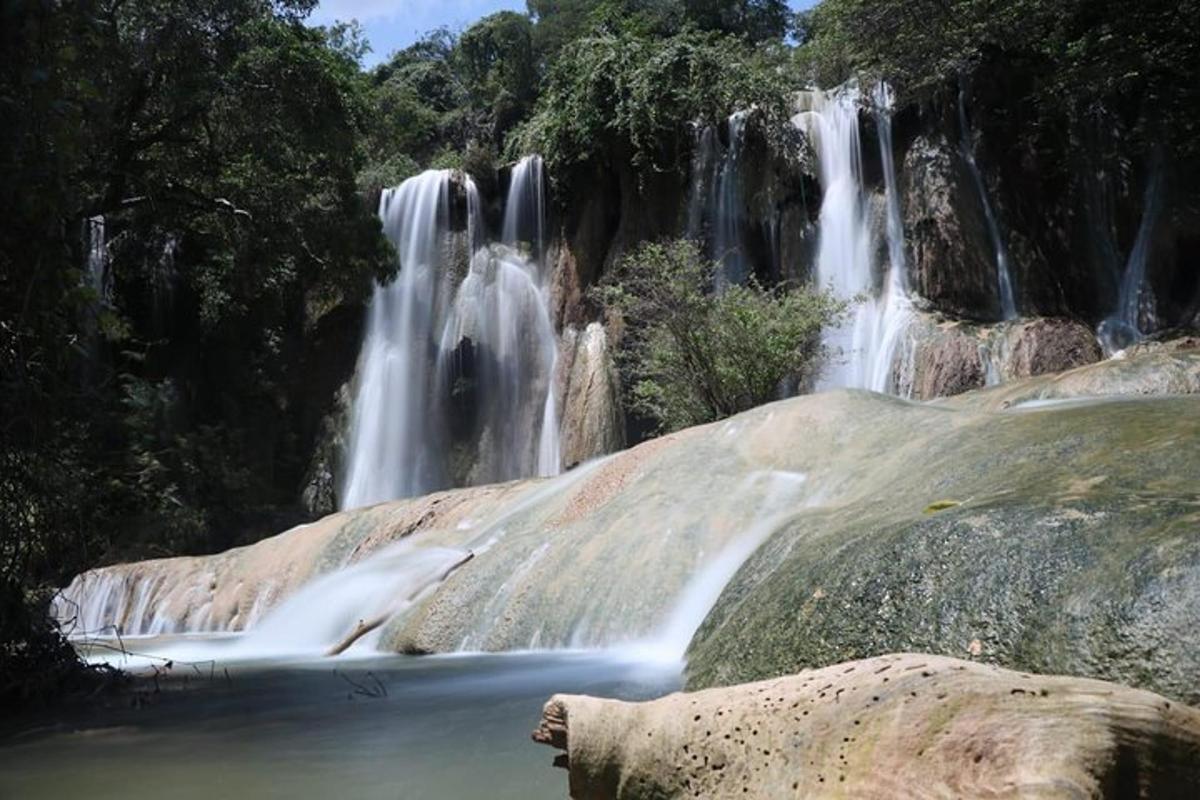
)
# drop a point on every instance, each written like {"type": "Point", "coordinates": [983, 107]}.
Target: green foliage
{"type": "Point", "coordinates": [220, 140]}
{"type": "Point", "coordinates": [513, 83]}
{"type": "Point", "coordinates": [499, 67]}
{"type": "Point", "coordinates": [1139, 60]}
{"type": "Point", "coordinates": [690, 355]}
{"type": "Point", "coordinates": [627, 94]}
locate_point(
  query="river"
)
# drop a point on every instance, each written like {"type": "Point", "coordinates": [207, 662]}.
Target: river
{"type": "Point", "coordinates": [387, 727]}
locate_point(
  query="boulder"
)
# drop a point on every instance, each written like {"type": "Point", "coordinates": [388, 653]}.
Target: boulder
{"type": "Point", "coordinates": [1059, 538]}
{"type": "Point", "coordinates": [1047, 345]}
{"type": "Point", "coordinates": [1150, 370]}
{"type": "Point", "coordinates": [947, 360]}
{"type": "Point", "coordinates": [906, 725]}
{"type": "Point", "coordinates": [951, 357]}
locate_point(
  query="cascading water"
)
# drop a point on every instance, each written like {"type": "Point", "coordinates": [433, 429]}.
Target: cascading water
{"type": "Point", "coordinates": [420, 324]}
{"type": "Point", "coordinates": [715, 201]}
{"type": "Point", "coordinates": [1124, 326]}
{"type": "Point", "coordinates": [501, 310]}
{"type": "Point", "coordinates": [780, 492]}
{"type": "Point", "coordinates": [395, 448]}
{"type": "Point", "coordinates": [525, 220]}
{"type": "Point", "coordinates": [97, 276]}
{"type": "Point", "coordinates": [1008, 303]}
{"type": "Point", "coordinates": [865, 347]}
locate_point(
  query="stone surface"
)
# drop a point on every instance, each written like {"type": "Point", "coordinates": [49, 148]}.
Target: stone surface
{"type": "Point", "coordinates": [322, 482]}
{"type": "Point", "coordinates": [912, 726]}
{"type": "Point", "coordinates": [592, 424]}
{"type": "Point", "coordinates": [952, 357]}
{"type": "Point", "coordinates": [951, 259]}
{"type": "Point", "coordinates": [1066, 539]}
{"type": "Point", "coordinates": [1072, 544]}
{"type": "Point", "coordinates": [1150, 370]}
{"type": "Point", "coordinates": [1046, 345]}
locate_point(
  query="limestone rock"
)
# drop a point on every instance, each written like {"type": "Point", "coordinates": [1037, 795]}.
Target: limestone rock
{"type": "Point", "coordinates": [906, 725]}
{"type": "Point", "coordinates": [1046, 345]}
{"type": "Point", "coordinates": [319, 495]}
{"type": "Point", "coordinates": [1148, 371]}
{"type": "Point", "coordinates": [949, 358]}
{"type": "Point", "coordinates": [1058, 537]}
{"type": "Point", "coordinates": [947, 361]}
{"type": "Point", "coordinates": [592, 424]}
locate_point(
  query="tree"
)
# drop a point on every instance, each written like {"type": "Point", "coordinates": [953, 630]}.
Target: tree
{"type": "Point", "coordinates": [690, 355]}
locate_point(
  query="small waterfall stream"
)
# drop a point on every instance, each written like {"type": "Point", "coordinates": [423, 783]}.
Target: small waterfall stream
{"type": "Point", "coordinates": [525, 220]}
{"type": "Point", "coordinates": [395, 449]}
{"type": "Point", "coordinates": [715, 203]}
{"type": "Point", "coordinates": [1125, 326]}
{"type": "Point", "coordinates": [1008, 303]}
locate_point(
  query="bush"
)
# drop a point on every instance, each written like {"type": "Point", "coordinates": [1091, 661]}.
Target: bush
{"type": "Point", "coordinates": [691, 355]}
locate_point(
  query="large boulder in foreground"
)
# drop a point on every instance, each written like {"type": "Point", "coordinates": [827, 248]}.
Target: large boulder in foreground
{"type": "Point", "coordinates": [913, 726]}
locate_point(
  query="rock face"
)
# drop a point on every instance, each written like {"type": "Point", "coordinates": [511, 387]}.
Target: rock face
{"type": "Point", "coordinates": [1042, 346]}
{"type": "Point", "coordinates": [894, 726]}
{"type": "Point", "coordinates": [1153, 369]}
{"type": "Point", "coordinates": [592, 423]}
{"type": "Point", "coordinates": [1066, 539]}
{"type": "Point", "coordinates": [952, 262]}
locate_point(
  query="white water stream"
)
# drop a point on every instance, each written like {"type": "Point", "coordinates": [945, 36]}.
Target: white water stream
{"type": "Point", "coordinates": [864, 349]}
{"type": "Point", "coordinates": [417, 325]}
{"type": "Point", "coordinates": [1134, 312]}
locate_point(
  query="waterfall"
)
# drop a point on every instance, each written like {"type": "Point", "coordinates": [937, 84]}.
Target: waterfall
{"type": "Point", "coordinates": [881, 311]}
{"type": "Point", "coordinates": [395, 447]}
{"type": "Point", "coordinates": [331, 609]}
{"type": "Point", "coordinates": [1008, 303]}
{"type": "Point", "coordinates": [421, 327]}
{"type": "Point", "coordinates": [502, 311]}
{"type": "Point", "coordinates": [715, 201]}
{"type": "Point", "coordinates": [525, 208]}
{"type": "Point", "coordinates": [96, 272]}
{"type": "Point", "coordinates": [525, 220]}
{"type": "Point", "coordinates": [1125, 325]}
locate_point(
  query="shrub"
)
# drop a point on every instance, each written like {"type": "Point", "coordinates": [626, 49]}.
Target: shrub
{"type": "Point", "coordinates": [691, 355]}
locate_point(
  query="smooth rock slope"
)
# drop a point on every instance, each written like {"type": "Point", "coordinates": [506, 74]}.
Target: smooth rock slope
{"type": "Point", "coordinates": [1060, 537]}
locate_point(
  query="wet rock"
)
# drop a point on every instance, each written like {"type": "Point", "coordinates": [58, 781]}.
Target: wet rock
{"type": "Point", "coordinates": [893, 726]}
{"type": "Point", "coordinates": [1150, 370]}
{"type": "Point", "coordinates": [951, 259]}
{"type": "Point", "coordinates": [592, 423]}
{"type": "Point", "coordinates": [946, 361]}
{"type": "Point", "coordinates": [952, 357]}
{"type": "Point", "coordinates": [319, 495]}
{"type": "Point", "coordinates": [1072, 547]}
{"type": "Point", "coordinates": [1043, 346]}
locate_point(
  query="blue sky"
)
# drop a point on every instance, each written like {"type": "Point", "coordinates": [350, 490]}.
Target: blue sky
{"type": "Point", "coordinates": [393, 24]}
